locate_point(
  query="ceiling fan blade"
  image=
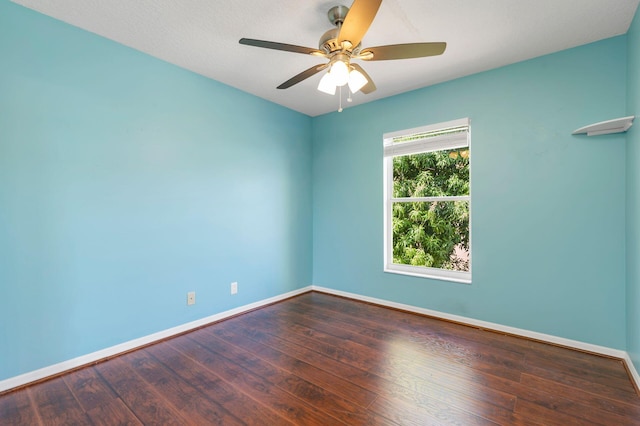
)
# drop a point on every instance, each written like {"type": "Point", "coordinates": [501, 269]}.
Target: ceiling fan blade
{"type": "Point", "coordinates": [402, 51]}
{"type": "Point", "coordinates": [282, 46]}
{"type": "Point", "coordinates": [358, 20]}
{"type": "Point", "coordinates": [303, 76]}
{"type": "Point", "coordinates": [370, 86]}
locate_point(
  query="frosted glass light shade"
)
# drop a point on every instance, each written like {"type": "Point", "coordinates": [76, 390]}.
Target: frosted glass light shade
{"type": "Point", "coordinates": [356, 81]}
{"type": "Point", "coordinates": [339, 73]}
{"type": "Point", "coordinates": [327, 85]}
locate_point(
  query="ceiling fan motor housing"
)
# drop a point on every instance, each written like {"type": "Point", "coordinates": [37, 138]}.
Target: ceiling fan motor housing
{"type": "Point", "coordinates": [329, 40]}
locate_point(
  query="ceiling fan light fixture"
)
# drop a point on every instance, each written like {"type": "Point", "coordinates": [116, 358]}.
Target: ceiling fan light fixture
{"type": "Point", "coordinates": [327, 85]}
{"type": "Point", "coordinates": [339, 73]}
{"type": "Point", "coordinates": [356, 80]}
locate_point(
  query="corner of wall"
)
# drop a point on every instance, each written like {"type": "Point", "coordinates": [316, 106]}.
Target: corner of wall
{"type": "Point", "coordinates": [632, 223]}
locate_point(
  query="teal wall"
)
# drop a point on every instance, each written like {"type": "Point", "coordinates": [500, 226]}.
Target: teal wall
{"type": "Point", "coordinates": [633, 193]}
{"type": "Point", "coordinates": [126, 182]}
{"type": "Point", "coordinates": [548, 208]}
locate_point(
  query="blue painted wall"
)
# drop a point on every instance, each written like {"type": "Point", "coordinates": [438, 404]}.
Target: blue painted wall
{"type": "Point", "coordinates": [633, 193]}
{"type": "Point", "coordinates": [548, 208]}
{"type": "Point", "coordinates": [126, 182]}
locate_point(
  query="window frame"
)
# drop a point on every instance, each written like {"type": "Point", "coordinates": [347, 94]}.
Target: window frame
{"type": "Point", "coordinates": [430, 144]}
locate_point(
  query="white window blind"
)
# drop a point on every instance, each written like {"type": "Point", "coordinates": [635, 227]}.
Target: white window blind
{"type": "Point", "coordinates": [449, 135]}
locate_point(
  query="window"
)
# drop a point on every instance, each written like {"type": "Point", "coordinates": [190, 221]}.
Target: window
{"type": "Point", "coordinates": [428, 201]}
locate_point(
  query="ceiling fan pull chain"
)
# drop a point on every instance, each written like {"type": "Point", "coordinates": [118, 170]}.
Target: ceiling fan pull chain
{"type": "Point", "coordinates": [340, 96]}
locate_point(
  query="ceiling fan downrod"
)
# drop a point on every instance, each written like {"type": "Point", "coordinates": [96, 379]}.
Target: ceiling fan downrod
{"type": "Point", "coordinates": [337, 14]}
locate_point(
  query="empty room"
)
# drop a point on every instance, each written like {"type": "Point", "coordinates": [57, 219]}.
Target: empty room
{"type": "Point", "coordinates": [320, 213]}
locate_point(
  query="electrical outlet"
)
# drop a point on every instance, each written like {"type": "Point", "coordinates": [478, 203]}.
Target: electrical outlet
{"type": "Point", "coordinates": [234, 287]}
{"type": "Point", "coordinates": [191, 298]}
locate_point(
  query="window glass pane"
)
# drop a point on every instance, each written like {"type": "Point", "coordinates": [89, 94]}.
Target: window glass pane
{"type": "Point", "coordinates": [432, 234]}
{"type": "Point", "coordinates": [432, 174]}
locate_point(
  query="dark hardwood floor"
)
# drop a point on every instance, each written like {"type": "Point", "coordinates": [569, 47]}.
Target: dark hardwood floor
{"type": "Point", "coordinates": [317, 359]}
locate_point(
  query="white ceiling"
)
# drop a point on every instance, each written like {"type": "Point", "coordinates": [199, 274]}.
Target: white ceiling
{"type": "Point", "coordinates": [202, 36]}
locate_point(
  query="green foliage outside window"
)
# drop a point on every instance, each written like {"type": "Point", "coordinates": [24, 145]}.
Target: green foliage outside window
{"type": "Point", "coordinates": [436, 233]}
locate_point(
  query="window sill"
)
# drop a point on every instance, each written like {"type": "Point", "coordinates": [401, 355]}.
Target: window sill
{"type": "Point", "coordinates": [432, 273]}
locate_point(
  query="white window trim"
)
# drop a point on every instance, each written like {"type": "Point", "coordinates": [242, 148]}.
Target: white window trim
{"type": "Point", "coordinates": [435, 143]}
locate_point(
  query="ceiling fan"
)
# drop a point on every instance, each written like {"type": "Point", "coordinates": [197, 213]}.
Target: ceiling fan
{"type": "Point", "coordinates": [341, 45]}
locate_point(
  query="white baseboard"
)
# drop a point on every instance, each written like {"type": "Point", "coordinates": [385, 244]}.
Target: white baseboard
{"type": "Point", "coordinates": [632, 371]}
{"type": "Point", "coordinates": [80, 361]}
{"type": "Point", "coordinates": [575, 344]}
{"type": "Point", "coordinates": [71, 364]}
{"type": "Point", "coordinates": [616, 353]}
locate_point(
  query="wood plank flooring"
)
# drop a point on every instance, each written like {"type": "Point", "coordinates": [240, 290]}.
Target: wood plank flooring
{"type": "Point", "coordinates": [318, 359]}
